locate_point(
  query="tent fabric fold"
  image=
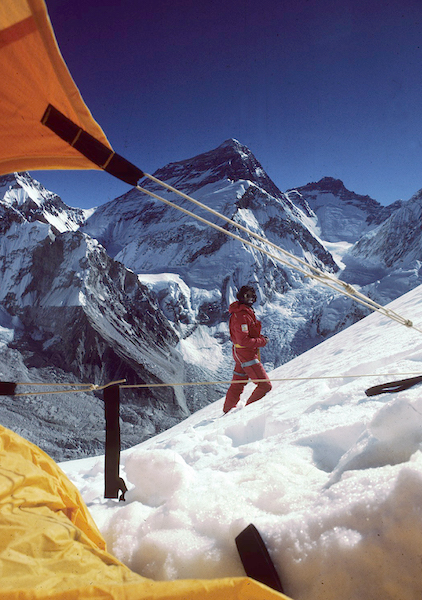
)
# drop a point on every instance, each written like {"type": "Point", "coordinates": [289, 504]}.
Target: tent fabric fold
{"type": "Point", "coordinates": [35, 75]}
{"type": "Point", "coordinates": [50, 547]}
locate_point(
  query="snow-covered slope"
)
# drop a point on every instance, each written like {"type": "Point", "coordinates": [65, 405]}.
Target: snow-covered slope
{"type": "Point", "coordinates": [330, 477]}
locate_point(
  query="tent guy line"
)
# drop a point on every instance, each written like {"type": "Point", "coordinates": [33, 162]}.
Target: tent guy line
{"type": "Point", "coordinates": [8, 388]}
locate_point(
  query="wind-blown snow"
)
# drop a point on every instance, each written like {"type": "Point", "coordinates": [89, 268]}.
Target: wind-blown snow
{"type": "Point", "coordinates": [330, 477]}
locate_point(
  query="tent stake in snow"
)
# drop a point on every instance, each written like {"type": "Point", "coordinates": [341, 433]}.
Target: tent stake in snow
{"type": "Point", "coordinates": [393, 386]}
{"type": "Point", "coordinates": [113, 482]}
{"type": "Point", "coordinates": [256, 559]}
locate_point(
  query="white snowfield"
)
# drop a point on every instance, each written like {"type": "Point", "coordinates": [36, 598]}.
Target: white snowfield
{"type": "Point", "coordinates": [331, 478]}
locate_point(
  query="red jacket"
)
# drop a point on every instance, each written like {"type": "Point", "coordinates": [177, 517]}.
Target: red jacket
{"type": "Point", "coordinates": [245, 329]}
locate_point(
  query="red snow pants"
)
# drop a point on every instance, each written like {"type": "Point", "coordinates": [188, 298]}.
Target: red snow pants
{"type": "Point", "coordinates": [243, 370]}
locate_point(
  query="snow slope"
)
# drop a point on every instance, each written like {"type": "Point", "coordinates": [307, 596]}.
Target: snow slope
{"type": "Point", "coordinates": [331, 478]}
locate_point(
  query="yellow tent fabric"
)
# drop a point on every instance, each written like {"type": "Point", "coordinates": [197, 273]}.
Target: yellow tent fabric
{"type": "Point", "coordinates": [34, 75]}
{"type": "Point", "coordinates": [50, 547]}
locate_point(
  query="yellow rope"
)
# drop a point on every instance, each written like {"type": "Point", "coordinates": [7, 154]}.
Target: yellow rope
{"type": "Point", "coordinates": [88, 389]}
{"type": "Point", "coordinates": [313, 272]}
{"type": "Point", "coordinates": [83, 387]}
{"type": "Point", "coordinates": [188, 383]}
{"type": "Point", "coordinates": [91, 387]}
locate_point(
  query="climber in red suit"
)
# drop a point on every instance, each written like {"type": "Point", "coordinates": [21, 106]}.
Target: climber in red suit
{"type": "Point", "coordinates": [245, 333]}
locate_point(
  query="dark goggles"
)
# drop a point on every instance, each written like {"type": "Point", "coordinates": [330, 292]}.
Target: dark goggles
{"type": "Point", "coordinates": [249, 296]}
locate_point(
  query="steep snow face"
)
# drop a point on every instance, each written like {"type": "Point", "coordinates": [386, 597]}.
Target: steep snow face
{"type": "Point", "coordinates": [342, 215]}
{"type": "Point", "coordinates": [35, 203]}
{"type": "Point", "coordinates": [17, 244]}
{"type": "Point", "coordinates": [388, 259]}
{"type": "Point", "coordinates": [398, 240]}
{"type": "Point", "coordinates": [205, 257]}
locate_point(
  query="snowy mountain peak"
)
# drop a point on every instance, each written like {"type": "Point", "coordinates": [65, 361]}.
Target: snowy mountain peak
{"type": "Point", "coordinates": [231, 160]}
{"type": "Point", "coordinates": [16, 189]}
{"type": "Point", "coordinates": [330, 185]}
{"type": "Point", "coordinates": [416, 197]}
{"type": "Point", "coordinates": [342, 214]}
{"type": "Point", "coordinates": [7, 181]}
{"type": "Point", "coordinates": [25, 195]}
{"type": "Point", "coordinates": [397, 241]}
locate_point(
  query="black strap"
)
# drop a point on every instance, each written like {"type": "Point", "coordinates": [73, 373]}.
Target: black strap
{"type": "Point", "coordinates": [113, 483]}
{"type": "Point", "coordinates": [256, 559]}
{"type": "Point", "coordinates": [90, 147]}
{"type": "Point", "coordinates": [7, 388]}
{"type": "Point", "coordinates": [393, 386]}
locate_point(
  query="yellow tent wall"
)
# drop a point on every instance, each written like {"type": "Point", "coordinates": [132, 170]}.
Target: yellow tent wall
{"type": "Point", "coordinates": [50, 547]}
{"type": "Point", "coordinates": [33, 75]}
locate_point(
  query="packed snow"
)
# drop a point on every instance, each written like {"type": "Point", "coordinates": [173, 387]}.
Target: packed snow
{"type": "Point", "coordinates": [331, 478]}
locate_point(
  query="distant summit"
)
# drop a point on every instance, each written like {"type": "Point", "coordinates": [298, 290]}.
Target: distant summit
{"type": "Point", "coordinates": [231, 160]}
{"type": "Point", "coordinates": [397, 242]}
{"type": "Point", "coordinates": [329, 184]}
{"type": "Point", "coordinates": [21, 194]}
{"type": "Point", "coordinates": [342, 214]}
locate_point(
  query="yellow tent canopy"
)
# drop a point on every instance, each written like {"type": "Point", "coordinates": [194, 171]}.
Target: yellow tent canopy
{"type": "Point", "coordinates": [44, 122]}
{"type": "Point", "coordinates": [50, 547]}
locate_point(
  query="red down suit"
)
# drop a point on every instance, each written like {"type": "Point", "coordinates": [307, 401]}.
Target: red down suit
{"type": "Point", "coordinates": [245, 333]}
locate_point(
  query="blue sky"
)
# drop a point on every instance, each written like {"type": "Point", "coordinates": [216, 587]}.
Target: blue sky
{"type": "Point", "coordinates": [313, 87]}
